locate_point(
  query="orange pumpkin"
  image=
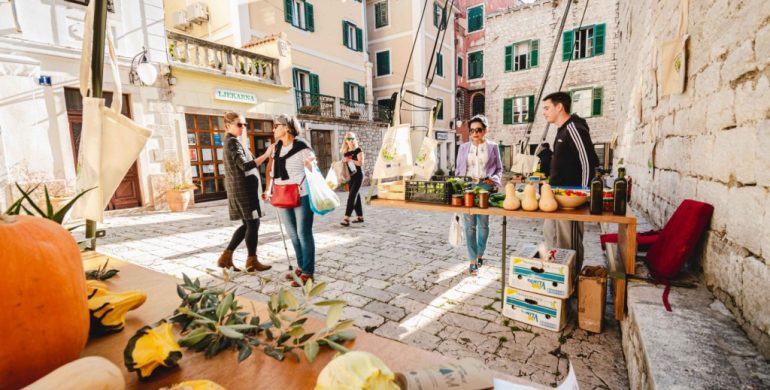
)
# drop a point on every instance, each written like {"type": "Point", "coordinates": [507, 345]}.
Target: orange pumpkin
{"type": "Point", "coordinates": [44, 307]}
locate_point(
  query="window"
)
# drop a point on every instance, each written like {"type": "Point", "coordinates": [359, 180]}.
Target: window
{"type": "Point", "coordinates": [476, 18]}
{"type": "Point", "coordinates": [459, 103]}
{"type": "Point", "coordinates": [587, 102]}
{"type": "Point", "coordinates": [518, 110]}
{"type": "Point", "coordinates": [307, 86]}
{"type": "Point", "coordinates": [381, 14]}
{"type": "Point", "coordinates": [477, 104]}
{"type": "Point", "coordinates": [584, 43]}
{"type": "Point", "coordinates": [440, 114]}
{"type": "Point", "coordinates": [352, 36]}
{"type": "Point", "coordinates": [354, 92]}
{"type": "Point", "coordinates": [110, 4]}
{"type": "Point", "coordinates": [383, 63]}
{"type": "Point", "coordinates": [299, 13]}
{"type": "Point", "coordinates": [439, 65]}
{"type": "Point", "coordinates": [439, 16]}
{"type": "Point", "coordinates": [522, 55]}
{"type": "Point", "coordinates": [476, 65]}
{"type": "Point", "coordinates": [460, 66]}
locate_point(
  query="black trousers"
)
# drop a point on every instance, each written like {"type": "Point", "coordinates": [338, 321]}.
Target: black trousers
{"type": "Point", "coordinates": [250, 231]}
{"type": "Point", "coordinates": [354, 198]}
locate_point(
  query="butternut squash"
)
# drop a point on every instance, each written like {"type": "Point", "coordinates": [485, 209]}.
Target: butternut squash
{"type": "Point", "coordinates": [547, 199]}
{"type": "Point", "coordinates": [529, 203]}
{"type": "Point", "coordinates": [511, 202]}
{"type": "Point", "coordinates": [88, 373]}
{"type": "Point", "coordinates": [200, 384]}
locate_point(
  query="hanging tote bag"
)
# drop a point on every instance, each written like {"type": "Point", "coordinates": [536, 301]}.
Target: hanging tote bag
{"type": "Point", "coordinates": [395, 156]}
{"type": "Point", "coordinates": [425, 162]}
{"type": "Point", "coordinates": [110, 142]}
{"type": "Point", "coordinates": [673, 57]}
{"type": "Point", "coordinates": [322, 199]}
{"type": "Point", "coordinates": [456, 232]}
{"type": "Point", "coordinates": [524, 163]}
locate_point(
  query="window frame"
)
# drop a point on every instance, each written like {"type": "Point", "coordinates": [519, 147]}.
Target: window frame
{"type": "Point", "coordinates": [592, 98]}
{"type": "Point", "coordinates": [440, 114]}
{"type": "Point", "coordinates": [470, 62]}
{"type": "Point", "coordinates": [524, 114]}
{"type": "Point", "coordinates": [352, 32]}
{"type": "Point", "coordinates": [460, 69]}
{"type": "Point", "coordinates": [387, 15]}
{"type": "Point", "coordinates": [377, 62]}
{"type": "Point", "coordinates": [353, 92]}
{"type": "Point", "coordinates": [439, 69]}
{"type": "Point", "coordinates": [483, 12]}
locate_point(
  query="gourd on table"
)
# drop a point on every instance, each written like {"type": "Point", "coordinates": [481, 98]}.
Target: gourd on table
{"type": "Point", "coordinates": [511, 202]}
{"type": "Point", "coordinates": [88, 373]}
{"type": "Point", "coordinates": [547, 199]}
{"type": "Point", "coordinates": [529, 203]}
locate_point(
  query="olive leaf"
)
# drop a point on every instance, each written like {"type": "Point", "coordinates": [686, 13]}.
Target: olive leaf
{"type": "Point", "coordinates": [333, 316]}
{"type": "Point", "coordinates": [311, 351]}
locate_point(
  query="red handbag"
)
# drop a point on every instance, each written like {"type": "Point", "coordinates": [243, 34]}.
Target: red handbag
{"type": "Point", "coordinates": [285, 196]}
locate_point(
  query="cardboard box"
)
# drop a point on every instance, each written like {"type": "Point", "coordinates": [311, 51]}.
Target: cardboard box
{"type": "Point", "coordinates": [391, 195]}
{"type": "Point", "coordinates": [535, 309]}
{"type": "Point", "coordinates": [542, 271]}
{"type": "Point", "coordinates": [592, 294]}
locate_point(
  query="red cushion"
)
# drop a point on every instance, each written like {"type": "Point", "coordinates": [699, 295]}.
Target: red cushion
{"type": "Point", "coordinates": [643, 240]}
{"type": "Point", "coordinates": [678, 238]}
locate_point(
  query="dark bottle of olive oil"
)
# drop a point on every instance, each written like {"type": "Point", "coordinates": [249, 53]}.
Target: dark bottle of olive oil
{"type": "Point", "coordinates": [620, 193]}
{"type": "Point", "coordinates": [597, 192]}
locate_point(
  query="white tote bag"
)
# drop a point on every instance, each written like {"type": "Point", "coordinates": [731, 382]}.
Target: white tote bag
{"type": "Point", "coordinates": [395, 156]}
{"type": "Point", "coordinates": [523, 163]}
{"type": "Point", "coordinates": [110, 142]}
{"type": "Point", "coordinates": [425, 163]}
{"type": "Point", "coordinates": [456, 232]}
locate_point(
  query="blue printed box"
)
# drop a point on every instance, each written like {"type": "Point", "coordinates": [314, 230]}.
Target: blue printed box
{"type": "Point", "coordinates": [535, 309]}
{"type": "Point", "coordinates": [542, 271]}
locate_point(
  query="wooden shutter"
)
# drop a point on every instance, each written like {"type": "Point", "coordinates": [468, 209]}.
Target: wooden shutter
{"type": "Point", "coordinates": [530, 108]}
{"type": "Point", "coordinates": [508, 111]}
{"type": "Point", "coordinates": [440, 114]}
{"type": "Point", "coordinates": [475, 19]}
{"type": "Point", "coordinates": [346, 92]}
{"type": "Point", "coordinates": [361, 94]}
{"type": "Point", "coordinates": [309, 21]}
{"type": "Point", "coordinates": [596, 107]}
{"type": "Point", "coordinates": [288, 8]}
{"type": "Point", "coordinates": [460, 66]}
{"type": "Point", "coordinates": [599, 32]}
{"type": "Point", "coordinates": [314, 84]}
{"type": "Point", "coordinates": [381, 14]}
{"type": "Point", "coordinates": [534, 48]}
{"type": "Point", "coordinates": [567, 41]}
{"type": "Point", "coordinates": [440, 64]}
{"type": "Point", "coordinates": [345, 40]}
{"type": "Point", "coordinates": [359, 39]}
{"type": "Point", "coordinates": [295, 76]}
{"type": "Point", "coordinates": [509, 58]}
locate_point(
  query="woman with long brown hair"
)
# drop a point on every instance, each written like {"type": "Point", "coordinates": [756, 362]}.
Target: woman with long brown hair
{"type": "Point", "coordinates": [354, 162]}
{"type": "Point", "coordinates": [242, 183]}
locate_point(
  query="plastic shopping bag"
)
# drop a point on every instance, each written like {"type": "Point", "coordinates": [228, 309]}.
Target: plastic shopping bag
{"type": "Point", "coordinates": [456, 232]}
{"type": "Point", "coordinates": [331, 179]}
{"type": "Point", "coordinates": [322, 199]}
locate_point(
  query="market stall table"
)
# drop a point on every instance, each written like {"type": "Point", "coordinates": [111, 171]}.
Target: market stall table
{"type": "Point", "coordinates": [259, 371]}
{"type": "Point", "coordinates": [626, 235]}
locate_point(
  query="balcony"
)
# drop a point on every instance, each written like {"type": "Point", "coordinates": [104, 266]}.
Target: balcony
{"type": "Point", "coordinates": [198, 54]}
{"type": "Point", "coordinates": [334, 108]}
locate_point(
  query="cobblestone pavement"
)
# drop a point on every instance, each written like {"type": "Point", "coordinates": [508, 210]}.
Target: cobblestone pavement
{"type": "Point", "coordinates": [401, 281]}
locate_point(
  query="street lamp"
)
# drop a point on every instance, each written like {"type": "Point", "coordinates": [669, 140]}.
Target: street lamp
{"type": "Point", "coordinates": [142, 70]}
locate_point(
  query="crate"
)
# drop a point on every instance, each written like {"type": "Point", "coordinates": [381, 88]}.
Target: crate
{"type": "Point", "coordinates": [437, 192]}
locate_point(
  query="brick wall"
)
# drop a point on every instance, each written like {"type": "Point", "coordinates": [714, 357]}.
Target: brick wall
{"type": "Point", "coordinates": [712, 140]}
{"type": "Point", "coordinates": [541, 21]}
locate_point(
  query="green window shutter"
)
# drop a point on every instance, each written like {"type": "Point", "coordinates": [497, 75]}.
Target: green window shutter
{"type": "Point", "coordinates": [383, 63]}
{"type": "Point", "coordinates": [460, 66]}
{"type": "Point", "coordinates": [534, 48]}
{"type": "Point", "coordinates": [509, 58]}
{"type": "Point", "coordinates": [440, 114]}
{"type": "Point", "coordinates": [530, 108]}
{"type": "Point", "coordinates": [346, 93]}
{"type": "Point", "coordinates": [361, 94]}
{"type": "Point", "coordinates": [599, 32]}
{"type": "Point", "coordinates": [314, 84]}
{"type": "Point", "coordinates": [309, 21]}
{"type": "Point", "coordinates": [381, 14]}
{"type": "Point", "coordinates": [435, 14]}
{"type": "Point", "coordinates": [359, 39]}
{"type": "Point", "coordinates": [345, 40]}
{"type": "Point", "coordinates": [596, 107]}
{"type": "Point", "coordinates": [288, 7]}
{"type": "Point", "coordinates": [440, 65]}
{"type": "Point", "coordinates": [508, 111]}
{"type": "Point", "coordinates": [475, 19]}
{"type": "Point", "coordinates": [567, 39]}
{"type": "Point", "coordinates": [295, 77]}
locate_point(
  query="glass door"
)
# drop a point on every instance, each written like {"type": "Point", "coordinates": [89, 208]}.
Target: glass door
{"type": "Point", "coordinates": [205, 137]}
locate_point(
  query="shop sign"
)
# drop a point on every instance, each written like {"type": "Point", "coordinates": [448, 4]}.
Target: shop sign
{"type": "Point", "coordinates": [235, 96]}
{"type": "Point", "coordinates": [442, 135]}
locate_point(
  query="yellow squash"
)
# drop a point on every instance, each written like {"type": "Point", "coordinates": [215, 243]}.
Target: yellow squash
{"type": "Point", "coordinates": [356, 370]}
{"type": "Point", "coordinates": [88, 373]}
{"type": "Point", "coordinates": [195, 385]}
{"type": "Point", "coordinates": [529, 203]}
{"type": "Point", "coordinates": [511, 202]}
{"type": "Point", "coordinates": [151, 348]}
{"type": "Point", "coordinates": [547, 199]}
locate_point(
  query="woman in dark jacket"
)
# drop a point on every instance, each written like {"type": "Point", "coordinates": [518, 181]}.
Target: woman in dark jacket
{"type": "Point", "coordinates": [242, 184]}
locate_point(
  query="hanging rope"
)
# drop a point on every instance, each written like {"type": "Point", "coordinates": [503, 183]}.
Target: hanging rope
{"type": "Point", "coordinates": [444, 17]}
{"type": "Point", "coordinates": [411, 53]}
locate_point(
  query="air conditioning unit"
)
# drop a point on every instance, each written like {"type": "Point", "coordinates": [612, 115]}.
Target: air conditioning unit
{"type": "Point", "coordinates": [180, 21]}
{"type": "Point", "coordinates": [198, 13]}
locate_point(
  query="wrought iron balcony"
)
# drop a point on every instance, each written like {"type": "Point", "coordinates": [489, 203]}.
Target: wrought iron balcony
{"type": "Point", "coordinates": [325, 106]}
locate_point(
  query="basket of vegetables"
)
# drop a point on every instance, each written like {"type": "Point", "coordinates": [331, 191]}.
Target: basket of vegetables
{"type": "Point", "coordinates": [428, 191]}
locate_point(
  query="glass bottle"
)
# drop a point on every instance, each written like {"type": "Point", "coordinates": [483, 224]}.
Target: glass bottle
{"type": "Point", "coordinates": [620, 193]}
{"type": "Point", "coordinates": [597, 192]}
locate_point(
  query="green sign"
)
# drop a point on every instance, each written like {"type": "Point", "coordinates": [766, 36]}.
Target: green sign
{"type": "Point", "coordinates": [235, 96]}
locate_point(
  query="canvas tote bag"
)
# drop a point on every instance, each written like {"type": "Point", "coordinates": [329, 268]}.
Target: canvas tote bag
{"type": "Point", "coordinates": [425, 163]}
{"type": "Point", "coordinates": [524, 163]}
{"type": "Point", "coordinates": [110, 142]}
{"type": "Point", "coordinates": [395, 156]}
{"type": "Point", "coordinates": [673, 57]}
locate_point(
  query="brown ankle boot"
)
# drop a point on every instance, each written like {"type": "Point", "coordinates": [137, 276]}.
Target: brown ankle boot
{"type": "Point", "coordinates": [226, 260]}
{"type": "Point", "coordinates": [252, 265]}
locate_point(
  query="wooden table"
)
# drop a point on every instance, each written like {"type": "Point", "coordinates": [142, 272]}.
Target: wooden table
{"type": "Point", "coordinates": [259, 371]}
{"type": "Point", "coordinates": [626, 235]}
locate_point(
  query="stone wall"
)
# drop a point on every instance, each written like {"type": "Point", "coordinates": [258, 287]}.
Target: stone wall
{"type": "Point", "coordinates": [710, 143]}
{"type": "Point", "coordinates": [541, 21]}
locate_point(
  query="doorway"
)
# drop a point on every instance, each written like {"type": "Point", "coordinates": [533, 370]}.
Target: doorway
{"type": "Point", "coordinates": [322, 146]}
{"type": "Point", "coordinates": [260, 134]}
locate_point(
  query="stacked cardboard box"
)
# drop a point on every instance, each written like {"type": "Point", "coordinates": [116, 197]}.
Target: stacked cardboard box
{"type": "Point", "coordinates": [394, 190]}
{"type": "Point", "coordinates": [540, 281]}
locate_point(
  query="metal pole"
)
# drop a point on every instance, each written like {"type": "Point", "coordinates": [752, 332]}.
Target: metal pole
{"type": "Point", "coordinates": [97, 77]}
{"type": "Point", "coordinates": [502, 260]}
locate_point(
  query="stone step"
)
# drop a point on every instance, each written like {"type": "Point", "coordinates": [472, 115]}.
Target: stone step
{"type": "Point", "coordinates": [698, 345]}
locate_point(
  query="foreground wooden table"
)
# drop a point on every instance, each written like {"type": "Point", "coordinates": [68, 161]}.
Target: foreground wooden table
{"type": "Point", "coordinates": [626, 235]}
{"type": "Point", "coordinates": [259, 371]}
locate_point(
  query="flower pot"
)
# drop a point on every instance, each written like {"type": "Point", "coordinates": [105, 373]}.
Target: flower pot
{"type": "Point", "coordinates": [178, 200]}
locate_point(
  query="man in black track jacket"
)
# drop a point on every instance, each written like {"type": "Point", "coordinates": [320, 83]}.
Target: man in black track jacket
{"type": "Point", "coordinates": [573, 163]}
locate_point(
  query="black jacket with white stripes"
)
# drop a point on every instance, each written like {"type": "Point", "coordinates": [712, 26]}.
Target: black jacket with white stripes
{"type": "Point", "coordinates": [574, 158]}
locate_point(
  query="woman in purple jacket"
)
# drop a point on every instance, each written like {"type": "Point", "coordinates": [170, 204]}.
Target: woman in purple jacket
{"type": "Point", "coordinates": [478, 159]}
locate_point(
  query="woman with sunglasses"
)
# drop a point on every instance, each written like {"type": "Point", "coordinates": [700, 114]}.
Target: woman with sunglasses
{"type": "Point", "coordinates": [242, 184]}
{"type": "Point", "coordinates": [478, 159]}
{"type": "Point", "coordinates": [354, 159]}
{"type": "Point", "coordinates": [286, 167]}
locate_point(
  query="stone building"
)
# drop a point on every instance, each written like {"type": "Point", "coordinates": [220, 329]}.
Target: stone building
{"type": "Point", "coordinates": [519, 43]}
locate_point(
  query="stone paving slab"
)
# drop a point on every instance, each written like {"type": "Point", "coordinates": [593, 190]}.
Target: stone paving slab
{"type": "Point", "coordinates": [401, 279]}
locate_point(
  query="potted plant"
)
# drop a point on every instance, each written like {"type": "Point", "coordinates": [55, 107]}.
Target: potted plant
{"type": "Point", "coordinates": [179, 193]}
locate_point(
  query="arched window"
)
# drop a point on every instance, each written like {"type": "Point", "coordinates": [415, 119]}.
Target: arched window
{"type": "Point", "coordinates": [477, 104]}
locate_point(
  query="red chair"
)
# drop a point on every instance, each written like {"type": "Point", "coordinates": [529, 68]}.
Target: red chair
{"type": "Point", "coordinates": [643, 240]}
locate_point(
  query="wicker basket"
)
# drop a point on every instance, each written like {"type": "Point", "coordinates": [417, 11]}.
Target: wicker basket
{"type": "Point", "coordinates": [437, 192]}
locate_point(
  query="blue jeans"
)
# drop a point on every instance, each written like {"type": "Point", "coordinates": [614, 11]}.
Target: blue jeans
{"type": "Point", "coordinates": [299, 225]}
{"type": "Point", "coordinates": [476, 235]}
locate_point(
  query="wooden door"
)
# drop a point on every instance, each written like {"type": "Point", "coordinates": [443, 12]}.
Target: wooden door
{"type": "Point", "coordinates": [322, 146]}
{"type": "Point", "coordinates": [205, 138]}
{"type": "Point", "coordinates": [260, 137]}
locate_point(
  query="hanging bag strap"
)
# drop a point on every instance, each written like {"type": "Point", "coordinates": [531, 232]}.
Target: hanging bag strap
{"type": "Point", "coordinates": [87, 53]}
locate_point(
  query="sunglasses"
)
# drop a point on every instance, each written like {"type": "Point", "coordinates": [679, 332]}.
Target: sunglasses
{"type": "Point", "coordinates": [275, 126]}
{"type": "Point", "coordinates": [477, 129]}
{"type": "Point", "coordinates": [240, 125]}
{"type": "Point", "coordinates": [350, 139]}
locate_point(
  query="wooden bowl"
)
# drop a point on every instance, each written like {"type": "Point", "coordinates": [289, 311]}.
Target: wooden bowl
{"type": "Point", "coordinates": [570, 202]}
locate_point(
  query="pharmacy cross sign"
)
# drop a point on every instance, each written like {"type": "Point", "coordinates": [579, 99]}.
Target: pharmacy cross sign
{"type": "Point", "coordinates": [235, 96]}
